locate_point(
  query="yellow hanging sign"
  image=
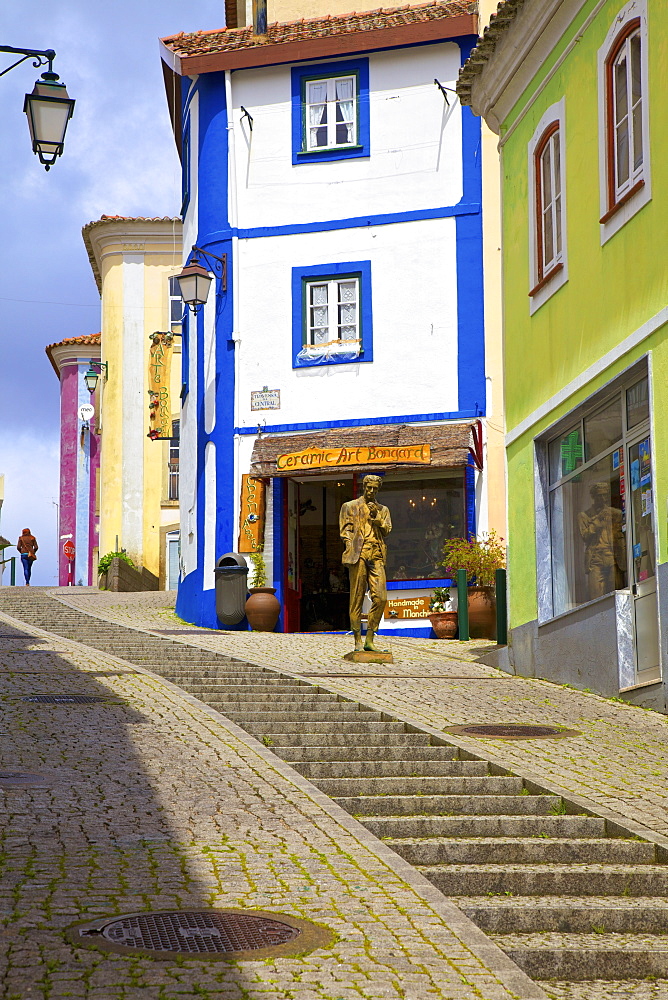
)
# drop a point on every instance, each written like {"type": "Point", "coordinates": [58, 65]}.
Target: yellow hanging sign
{"type": "Point", "coordinates": [159, 370]}
{"type": "Point", "coordinates": [251, 518]}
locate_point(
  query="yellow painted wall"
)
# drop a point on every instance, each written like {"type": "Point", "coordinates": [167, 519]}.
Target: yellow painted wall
{"type": "Point", "coordinates": [160, 244]}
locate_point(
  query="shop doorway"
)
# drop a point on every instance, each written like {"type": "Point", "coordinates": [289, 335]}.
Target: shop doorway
{"type": "Point", "coordinates": [642, 559]}
{"type": "Point", "coordinates": [317, 589]}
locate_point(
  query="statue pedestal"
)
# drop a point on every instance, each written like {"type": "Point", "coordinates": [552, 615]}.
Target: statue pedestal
{"type": "Point", "coordinates": [368, 656]}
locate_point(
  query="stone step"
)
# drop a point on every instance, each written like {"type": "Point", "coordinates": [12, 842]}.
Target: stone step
{"type": "Point", "coordinates": [401, 827]}
{"type": "Point", "coordinates": [217, 680]}
{"type": "Point", "coordinates": [338, 739]}
{"type": "Point", "coordinates": [444, 805]}
{"type": "Point", "coordinates": [267, 721]}
{"type": "Point", "coordinates": [270, 701]}
{"type": "Point", "coordinates": [530, 851]}
{"type": "Point", "coordinates": [585, 957]}
{"type": "Point", "coordinates": [333, 728]}
{"type": "Point", "coordinates": [605, 989]}
{"type": "Point", "coordinates": [567, 914]}
{"type": "Point", "coordinates": [388, 769]}
{"type": "Point", "coordinates": [549, 880]}
{"type": "Point", "coordinates": [488, 785]}
{"type": "Point", "coordinates": [402, 752]}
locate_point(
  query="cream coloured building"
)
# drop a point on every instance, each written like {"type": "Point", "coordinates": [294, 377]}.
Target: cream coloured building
{"type": "Point", "coordinates": [132, 260]}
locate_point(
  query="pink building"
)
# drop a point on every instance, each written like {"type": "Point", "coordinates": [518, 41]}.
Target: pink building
{"type": "Point", "coordinates": [79, 458]}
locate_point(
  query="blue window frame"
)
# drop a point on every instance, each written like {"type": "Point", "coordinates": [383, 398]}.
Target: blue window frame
{"type": "Point", "coordinates": [185, 169]}
{"type": "Point", "coordinates": [341, 293]}
{"type": "Point", "coordinates": [332, 124]}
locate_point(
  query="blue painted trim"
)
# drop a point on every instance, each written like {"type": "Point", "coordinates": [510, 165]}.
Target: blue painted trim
{"type": "Point", "coordinates": [425, 632]}
{"type": "Point", "coordinates": [359, 269]}
{"type": "Point", "coordinates": [300, 74]}
{"type": "Point", "coordinates": [321, 425]}
{"type": "Point", "coordinates": [469, 489]}
{"type": "Point", "coordinates": [278, 544]}
{"type": "Point", "coordinates": [418, 584]}
{"type": "Point", "coordinates": [470, 288]}
{"type": "Point", "coordinates": [354, 222]}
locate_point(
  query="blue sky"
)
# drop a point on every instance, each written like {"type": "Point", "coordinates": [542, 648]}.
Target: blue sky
{"type": "Point", "coordinates": [119, 159]}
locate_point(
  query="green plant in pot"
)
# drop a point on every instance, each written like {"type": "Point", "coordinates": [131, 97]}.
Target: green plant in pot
{"type": "Point", "coordinates": [441, 614]}
{"type": "Point", "coordinates": [262, 607]}
{"type": "Point", "coordinates": [480, 558]}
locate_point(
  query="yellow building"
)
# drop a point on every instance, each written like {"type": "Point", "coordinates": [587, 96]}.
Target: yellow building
{"type": "Point", "coordinates": [133, 260]}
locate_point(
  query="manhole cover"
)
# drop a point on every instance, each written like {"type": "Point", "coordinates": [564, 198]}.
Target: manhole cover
{"type": "Point", "coordinates": [207, 933]}
{"type": "Point", "coordinates": [64, 699]}
{"type": "Point", "coordinates": [511, 731]}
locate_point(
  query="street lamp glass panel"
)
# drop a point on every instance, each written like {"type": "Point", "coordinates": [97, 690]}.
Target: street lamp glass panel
{"type": "Point", "coordinates": [90, 378]}
{"type": "Point", "coordinates": [194, 283]}
{"type": "Point", "coordinates": [48, 108]}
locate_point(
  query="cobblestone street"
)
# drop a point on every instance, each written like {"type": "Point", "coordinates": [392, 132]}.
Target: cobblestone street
{"type": "Point", "coordinates": [151, 800]}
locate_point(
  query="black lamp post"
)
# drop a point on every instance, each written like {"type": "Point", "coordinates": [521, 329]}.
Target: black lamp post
{"type": "Point", "coordinates": [49, 107]}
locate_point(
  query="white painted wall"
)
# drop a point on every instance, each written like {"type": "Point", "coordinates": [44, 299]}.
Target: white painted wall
{"type": "Point", "coordinates": [414, 293]}
{"type": "Point", "coordinates": [415, 157]}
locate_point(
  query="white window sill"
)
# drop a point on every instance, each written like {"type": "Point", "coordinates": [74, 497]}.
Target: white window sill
{"type": "Point", "coordinates": [546, 290]}
{"type": "Point", "coordinates": [626, 211]}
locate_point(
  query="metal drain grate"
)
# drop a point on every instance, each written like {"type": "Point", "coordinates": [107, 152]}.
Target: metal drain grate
{"type": "Point", "coordinates": [11, 779]}
{"type": "Point", "coordinates": [64, 699]}
{"type": "Point", "coordinates": [198, 932]}
{"type": "Point", "coordinates": [512, 731]}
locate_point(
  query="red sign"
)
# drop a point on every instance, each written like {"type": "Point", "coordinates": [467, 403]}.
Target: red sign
{"type": "Point", "coordinates": [69, 549]}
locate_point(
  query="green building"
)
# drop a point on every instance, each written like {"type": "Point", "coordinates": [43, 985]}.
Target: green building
{"type": "Point", "coordinates": [575, 90]}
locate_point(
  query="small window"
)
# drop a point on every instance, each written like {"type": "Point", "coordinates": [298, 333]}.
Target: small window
{"type": "Point", "coordinates": [624, 100]}
{"type": "Point", "coordinates": [185, 170]}
{"type": "Point", "coordinates": [175, 304]}
{"type": "Point", "coordinates": [547, 221]}
{"type": "Point", "coordinates": [331, 112]}
{"type": "Point", "coordinates": [623, 119]}
{"type": "Point", "coordinates": [173, 462]}
{"type": "Point", "coordinates": [331, 314]}
{"type": "Point", "coordinates": [548, 202]}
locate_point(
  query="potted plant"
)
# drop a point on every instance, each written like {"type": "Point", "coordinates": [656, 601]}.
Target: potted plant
{"type": "Point", "coordinates": [480, 558]}
{"type": "Point", "coordinates": [441, 614]}
{"type": "Point", "coordinates": [262, 607]}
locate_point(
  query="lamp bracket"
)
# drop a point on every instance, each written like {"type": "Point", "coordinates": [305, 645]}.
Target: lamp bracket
{"type": "Point", "coordinates": [219, 268]}
{"type": "Point", "coordinates": [41, 57]}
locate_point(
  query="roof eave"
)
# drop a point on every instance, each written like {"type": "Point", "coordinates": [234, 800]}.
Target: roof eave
{"type": "Point", "coordinates": [439, 29]}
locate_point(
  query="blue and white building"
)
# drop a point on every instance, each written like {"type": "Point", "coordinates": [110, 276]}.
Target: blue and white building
{"type": "Point", "coordinates": [330, 165]}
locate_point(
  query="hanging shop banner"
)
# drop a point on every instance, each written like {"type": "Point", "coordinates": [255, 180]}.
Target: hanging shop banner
{"type": "Point", "coordinates": [159, 369]}
{"type": "Point", "coordinates": [335, 458]}
{"type": "Point", "coordinates": [251, 518]}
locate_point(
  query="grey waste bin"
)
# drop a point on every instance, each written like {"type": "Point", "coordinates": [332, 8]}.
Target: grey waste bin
{"type": "Point", "coordinates": [231, 591]}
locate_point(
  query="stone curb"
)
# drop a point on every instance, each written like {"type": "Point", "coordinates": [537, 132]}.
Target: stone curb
{"type": "Point", "coordinates": [509, 975]}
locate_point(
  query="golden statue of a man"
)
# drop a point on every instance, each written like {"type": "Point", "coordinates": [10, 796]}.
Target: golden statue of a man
{"type": "Point", "coordinates": [363, 524]}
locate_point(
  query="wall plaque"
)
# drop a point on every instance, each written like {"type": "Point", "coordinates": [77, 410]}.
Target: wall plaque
{"type": "Point", "coordinates": [266, 399]}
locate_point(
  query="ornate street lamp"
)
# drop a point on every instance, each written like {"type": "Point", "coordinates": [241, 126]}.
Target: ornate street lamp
{"type": "Point", "coordinates": [48, 108]}
{"type": "Point", "coordinates": [92, 377]}
{"type": "Point", "coordinates": [194, 280]}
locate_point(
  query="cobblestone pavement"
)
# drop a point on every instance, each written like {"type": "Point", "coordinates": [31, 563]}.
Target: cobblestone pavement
{"type": "Point", "coordinates": [151, 800]}
{"type": "Point", "coordinates": [619, 762]}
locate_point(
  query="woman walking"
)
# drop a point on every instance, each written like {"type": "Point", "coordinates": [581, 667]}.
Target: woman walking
{"type": "Point", "coordinates": [27, 546]}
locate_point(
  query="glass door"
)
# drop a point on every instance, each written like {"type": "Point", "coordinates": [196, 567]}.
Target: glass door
{"type": "Point", "coordinates": [640, 521]}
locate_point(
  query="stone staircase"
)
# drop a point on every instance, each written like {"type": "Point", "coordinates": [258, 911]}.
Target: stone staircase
{"type": "Point", "coordinates": [581, 909]}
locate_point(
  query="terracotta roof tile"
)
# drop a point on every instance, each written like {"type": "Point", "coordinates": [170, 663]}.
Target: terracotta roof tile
{"type": "Point", "coordinates": [506, 12]}
{"type": "Point", "coordinates": [231, 39]}
{"type": "Point", "coordinates": [85, 341]}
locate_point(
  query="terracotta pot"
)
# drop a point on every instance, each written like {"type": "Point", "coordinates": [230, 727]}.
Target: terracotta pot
{"type": "Point", "coordinates": [482, 612]}
{"type": "Point", "coordinates": [444, 624]}
{"type": "Point", "coordinates": [263, 609]}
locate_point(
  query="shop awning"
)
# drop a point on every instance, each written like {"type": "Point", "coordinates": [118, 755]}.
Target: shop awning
{"type": "Point", "coordinates": [448, 446]}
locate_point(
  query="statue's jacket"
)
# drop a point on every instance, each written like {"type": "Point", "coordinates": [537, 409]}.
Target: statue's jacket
{"type": "Point", "coordinates": [352, 521]}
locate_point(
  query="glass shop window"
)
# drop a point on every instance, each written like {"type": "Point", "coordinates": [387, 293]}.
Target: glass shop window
{"type": "Point", "coordinates": [424, 513]}
{"type": "Point", "coordinates": [587, 505]}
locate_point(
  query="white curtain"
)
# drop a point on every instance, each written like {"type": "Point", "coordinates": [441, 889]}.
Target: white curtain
{"type": "Point", "coordinates": [344, 106]}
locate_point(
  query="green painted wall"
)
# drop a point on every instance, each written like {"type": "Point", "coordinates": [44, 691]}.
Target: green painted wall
{"type": "Point", "coordinates": [612, 289]}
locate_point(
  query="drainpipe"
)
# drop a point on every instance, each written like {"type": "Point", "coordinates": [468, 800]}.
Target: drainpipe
{"type": "Point", "coordinates": [232, 209]}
